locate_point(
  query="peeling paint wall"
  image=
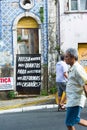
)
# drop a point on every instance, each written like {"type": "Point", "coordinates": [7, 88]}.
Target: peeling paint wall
{"type": "Point", "coordinates": [52, 35]}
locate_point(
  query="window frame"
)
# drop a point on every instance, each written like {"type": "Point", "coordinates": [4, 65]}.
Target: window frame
{"type": "Point", "coordinates": [68, 8]}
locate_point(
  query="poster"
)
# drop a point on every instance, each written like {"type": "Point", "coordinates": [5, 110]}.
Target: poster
{"type": "Point", "coordinates": [28, 73]}
{"type": "Point", "coordinates": [6, 83]}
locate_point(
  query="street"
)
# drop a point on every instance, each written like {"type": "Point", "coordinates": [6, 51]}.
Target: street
{"type": "Point", "coordinates": [45, 119]}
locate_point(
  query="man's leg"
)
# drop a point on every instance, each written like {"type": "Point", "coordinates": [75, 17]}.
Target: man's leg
{"type": "Point", "coordinates": [59, 101]}
{"type": "Point", "coordinates": [83, 122]}
{"type": "Point", "coordinates": [63, 100]}
{"type": "Point", "coordinates": [71, 127]}
{"type": "Point", "coordinates": [60, 92]}
{"type": "Point", "coordinates": [72, 117]}
{"type": "Point", "coordinates": [63, 87]}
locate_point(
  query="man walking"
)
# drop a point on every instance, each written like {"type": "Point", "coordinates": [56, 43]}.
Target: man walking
{"type": "Point", "coordinates": [77, 81]}
{"type": "Point", "coordinates": [61, 78]}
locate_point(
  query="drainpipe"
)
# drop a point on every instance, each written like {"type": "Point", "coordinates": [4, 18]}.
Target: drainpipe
{"type": "Point", "coordinates": [45, 2]}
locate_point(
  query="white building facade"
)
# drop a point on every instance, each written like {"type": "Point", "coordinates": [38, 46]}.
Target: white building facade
{"type": "Point", "coordinates": [73, 23]}
{"type": "Point", "coordinates": [68, 28]}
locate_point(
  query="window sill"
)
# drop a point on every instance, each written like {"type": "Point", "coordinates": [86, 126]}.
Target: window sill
{"type": "Point", "coordinates": [72, 12]}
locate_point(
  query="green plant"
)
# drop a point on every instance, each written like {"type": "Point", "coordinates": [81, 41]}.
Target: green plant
{"type": "Point", "coordinates": [53, 90]}
{"type": "Point", "coordinates": [19, 39]}
{"type": "Point", "coordinates": [43, 92]}
{"type": "Point", "coordinates": [57, 48]}
{"type": "Point", "coordinates": [53, 75]}
{"type": "Point", "coordinates": [11, 94]}
{"type": "Point", "coordinates": [45, 65]}
{"type": "Point", "coordinates": [41, 14]}
{"type": "Point", "coordinates": [55, 2]}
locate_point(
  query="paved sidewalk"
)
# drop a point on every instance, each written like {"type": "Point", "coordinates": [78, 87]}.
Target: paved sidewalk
{"type": "Point", "coordinates": [28, 103]}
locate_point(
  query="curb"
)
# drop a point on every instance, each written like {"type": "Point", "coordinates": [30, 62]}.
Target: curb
{"type": "Point", "coordinates": [30, 108]}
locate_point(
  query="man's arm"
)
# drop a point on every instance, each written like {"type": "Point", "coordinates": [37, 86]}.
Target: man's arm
{"type": "Point", "coordinates": [85, 89]}
{"type": "Point", "coordinates": [65, 74]}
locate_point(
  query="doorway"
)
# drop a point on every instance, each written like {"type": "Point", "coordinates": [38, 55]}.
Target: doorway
{"type": "Point", "coordinates": [27, 36]}
{"type": "Point", "coordinates": [27, 41]}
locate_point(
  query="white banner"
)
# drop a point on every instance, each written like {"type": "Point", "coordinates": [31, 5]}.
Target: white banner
{"type": "Point", "coordinates": [6, 83]}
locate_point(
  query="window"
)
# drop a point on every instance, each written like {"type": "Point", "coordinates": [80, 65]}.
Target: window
{"type": "Point", "coordinates": [76, 5]}
{"type": "Point", "coordinates": [83, 4]}
{"type": "Point", "coordinates": [27, 4]}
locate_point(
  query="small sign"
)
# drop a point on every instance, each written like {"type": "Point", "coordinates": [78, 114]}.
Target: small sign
{"type": "Point", "coordinates": [28, 73]}
{"type": "Point", "coordinates": [6, 83]}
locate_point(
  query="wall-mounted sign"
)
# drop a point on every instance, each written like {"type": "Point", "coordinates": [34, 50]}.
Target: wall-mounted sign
{"type": "Point", "coordinates": [28, 73]}
{"type": "Point", "coordinates": [6, 83]}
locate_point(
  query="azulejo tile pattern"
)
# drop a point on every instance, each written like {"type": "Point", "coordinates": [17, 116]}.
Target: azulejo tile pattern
{"type": "Point", "coordinates": [9, 10]}
{"type": "Point", "coordinates": [0, 20]}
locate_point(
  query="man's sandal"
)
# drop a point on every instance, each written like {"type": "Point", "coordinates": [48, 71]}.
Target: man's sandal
{"type": "Point", "coordinates": [61, 107]}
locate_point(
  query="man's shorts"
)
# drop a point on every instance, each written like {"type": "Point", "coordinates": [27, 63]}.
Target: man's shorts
{"type": "Point", "coordinates": [61, 87]}
{"type": "Point", "coordinates": [73, 115]}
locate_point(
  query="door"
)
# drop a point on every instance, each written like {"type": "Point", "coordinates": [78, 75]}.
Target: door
{"type": "Point", "coordinates": [28, 59]}
{"type": "Point", "coordinates": [27, 41]}
{"type": "Point", "coordinates": [27, 36]}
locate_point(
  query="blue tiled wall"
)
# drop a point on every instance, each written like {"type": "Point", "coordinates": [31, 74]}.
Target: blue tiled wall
{"type": "Point", "coordinates": [8, 13]}
{"type": "Point", "coordinates": [0, 20]}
